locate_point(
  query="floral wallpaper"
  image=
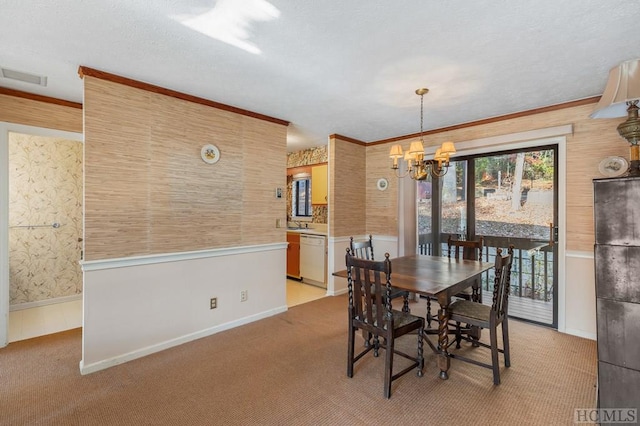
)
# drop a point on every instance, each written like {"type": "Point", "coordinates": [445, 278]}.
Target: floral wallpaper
{"type": "Point", "coordinates": [305, 158]}
{"type": "Point", "coordinates": [45, 218]}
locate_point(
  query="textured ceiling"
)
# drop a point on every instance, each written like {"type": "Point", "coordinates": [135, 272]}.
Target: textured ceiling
{"type": "Point", "coordinates": [331, 66]}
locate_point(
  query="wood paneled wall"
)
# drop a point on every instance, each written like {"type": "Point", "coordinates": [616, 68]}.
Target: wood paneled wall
{"type": "Point", "coordinates": [382, 212]}
{"type": "Point", "coordinates": [49, 115]}
{"type": "Point", "coordinates": [348, 207]}
{"type": "Point", "coordinates": [149, 192]}
{"type": "Point", "coordinates": [592, 140]}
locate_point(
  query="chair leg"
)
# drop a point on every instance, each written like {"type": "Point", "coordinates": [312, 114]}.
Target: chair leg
{"type": "Point", "coordinates": [388, 365]}
{"type": "Point", "coordinates": [458, 335]}
{"type": "Point", "coordinates": [420, 352]}
{"type": "Point", "coordinates": [376, 345]}
{"type": "Point", "coordinates": [350, 351]}
{"type": "Point", "coordinates": [367, 338]}
{"type": "Point", "coordinates": [405, 303]}
{"type": "Point", "coordinates": [429, 317]}
{"type": "Point", "coordinates": [493, 334]}
{"type": "Point", "coordinates": [505, 342]}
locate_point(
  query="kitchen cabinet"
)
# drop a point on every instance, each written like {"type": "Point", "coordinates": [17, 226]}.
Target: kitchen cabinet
{"type": "Point", "coordinates": [319, 179]}
{"type": "Point", "coordinates": [293, 255]}
{"type": "Point", "coordinates": [617, 261]}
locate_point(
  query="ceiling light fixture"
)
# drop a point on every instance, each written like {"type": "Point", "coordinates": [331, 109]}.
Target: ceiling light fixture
{"type": "Point", "coordinates": [620, 98]}
{"type": "Point", "coordinates": [418, 167]}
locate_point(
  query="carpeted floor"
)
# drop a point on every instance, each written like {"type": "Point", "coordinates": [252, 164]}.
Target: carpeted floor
{"type": "Point", "coordinates": [290, 369]}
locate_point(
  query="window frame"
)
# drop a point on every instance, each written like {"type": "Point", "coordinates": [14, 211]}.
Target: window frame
{"type": "Point", "coordinates": [295, 198]}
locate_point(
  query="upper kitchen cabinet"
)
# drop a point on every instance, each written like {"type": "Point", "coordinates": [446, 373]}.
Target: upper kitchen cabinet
{"type": "Point", "coordinates": [319, 184]}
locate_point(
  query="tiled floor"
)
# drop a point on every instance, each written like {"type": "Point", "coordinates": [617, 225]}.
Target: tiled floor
{"type": "Point", "coordinates": [33, 322]}
{"type": "Point", "coordinates": [299, 293]}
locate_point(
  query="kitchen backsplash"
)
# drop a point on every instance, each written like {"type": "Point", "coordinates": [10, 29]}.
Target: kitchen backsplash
{"type": "Point", "coordinates": [307, 157]}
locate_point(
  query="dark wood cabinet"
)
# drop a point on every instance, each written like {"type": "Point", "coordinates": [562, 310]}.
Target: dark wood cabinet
{"type": "Point", "coordinates": [293, 255]}
{"type": "Point", "coordinates": [617, 273]}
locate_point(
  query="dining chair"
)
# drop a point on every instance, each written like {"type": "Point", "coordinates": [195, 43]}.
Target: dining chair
{"type": "Point", "coordinates": [364, 250]}
{"type": "Point", "coordinates": [369, 286]}
{"type": "Point", "coordinates": [469, 250]}
{"type": "Point", "coordinates": [479, 315]}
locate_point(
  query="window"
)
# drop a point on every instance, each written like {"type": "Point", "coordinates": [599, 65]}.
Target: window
{"type": "Point", "coordinates": [301, 196]}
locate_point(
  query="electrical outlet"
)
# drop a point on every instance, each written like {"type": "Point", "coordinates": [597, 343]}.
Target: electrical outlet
{"type": "Point", "coordinates": [244, 295]}
{"type": "Point", "coordinates": [214, 303]}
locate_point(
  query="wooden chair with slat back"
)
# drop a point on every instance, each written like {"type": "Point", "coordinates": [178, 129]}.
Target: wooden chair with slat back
{"type": "Point", "coordinates": [479, 315]}
{"type": "Point", "coordinates": [370, 310]}
{"type": "Point", "coordinates": [468, 250]}
{"type": "Point", "coordinates": [364, 250]}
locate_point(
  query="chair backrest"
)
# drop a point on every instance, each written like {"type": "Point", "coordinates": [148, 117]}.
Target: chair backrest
{"type": "Point", "coordinates": [362, 249]}
{"type": "Point", "coordinates": [369, 290]}
{"type": "Point", "coordinates": [502, 285]}
{"type": "Point", "coordinates": [470, 250]}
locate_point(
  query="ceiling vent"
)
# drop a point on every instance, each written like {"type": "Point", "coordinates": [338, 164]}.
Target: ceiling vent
{"type": "Point", "coordinates": [40, 80]}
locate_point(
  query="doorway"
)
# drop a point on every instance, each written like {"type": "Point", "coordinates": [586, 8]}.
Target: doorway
{"type": "Point", "coordinates": [41, 230]}
{"type": "Point", "coordinates": [508, 198]}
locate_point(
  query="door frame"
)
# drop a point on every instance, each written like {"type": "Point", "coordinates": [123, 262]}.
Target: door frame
{"type": "Point", "coordinates": [471, 223]}
{"type": "Point", "coordinates": [529, 139]}
{"type": "Point", "coordinates": [5, 128]}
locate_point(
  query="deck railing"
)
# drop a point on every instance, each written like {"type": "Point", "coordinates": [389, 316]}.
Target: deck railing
{"type": "Point", "coordinates": [532, 270]}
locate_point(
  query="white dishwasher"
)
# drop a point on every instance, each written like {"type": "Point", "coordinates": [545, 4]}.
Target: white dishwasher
{"type": "Point", "coordinates": [312, 262]}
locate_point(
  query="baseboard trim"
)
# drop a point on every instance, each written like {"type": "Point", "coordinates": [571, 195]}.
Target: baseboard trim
{"type": "Point", "coordinates": [580, 333]}
{"type": "Point", "coordinates": [121, 359]}
{"type": "Point", "coordinates": [39, 303]}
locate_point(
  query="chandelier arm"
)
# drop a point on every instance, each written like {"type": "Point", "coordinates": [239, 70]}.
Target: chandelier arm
{"type": "Point", "coordinates": [402, 175]}
{"type": "Point", "coordinates": [438, 171]}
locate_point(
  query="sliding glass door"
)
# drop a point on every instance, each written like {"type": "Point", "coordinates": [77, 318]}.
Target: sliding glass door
{"type": "Point", "coordinates": [507, 198]}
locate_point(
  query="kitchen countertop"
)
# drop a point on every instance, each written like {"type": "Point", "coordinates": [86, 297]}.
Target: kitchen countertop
{"type": "Point", "coordinates": [309, 231]}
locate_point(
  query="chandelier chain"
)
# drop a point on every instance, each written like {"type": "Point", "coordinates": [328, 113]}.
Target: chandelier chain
{"type": "Point", "coordinates": [421, 118]}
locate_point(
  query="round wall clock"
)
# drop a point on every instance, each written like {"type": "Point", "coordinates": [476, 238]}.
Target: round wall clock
{"type": "Point", "coordinates": [210, 154]}
{"type": "Point", "coordinates": [382, 184]}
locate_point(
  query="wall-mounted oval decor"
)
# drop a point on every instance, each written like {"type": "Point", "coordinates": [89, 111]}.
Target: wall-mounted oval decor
{"type": "Point", "coordinates": [210, 154]}
{"type": "Point", "coordinates": [613, 166]}
{"type": "Point", "coordinates": [382, 184]}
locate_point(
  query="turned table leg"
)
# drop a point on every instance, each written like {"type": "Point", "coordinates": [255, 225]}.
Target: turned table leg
{"type": "Point", "coordinates": [443, 341]}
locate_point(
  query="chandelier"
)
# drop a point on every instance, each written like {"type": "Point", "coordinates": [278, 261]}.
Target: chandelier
{"type": "Point", "coordinates": [418, 167]}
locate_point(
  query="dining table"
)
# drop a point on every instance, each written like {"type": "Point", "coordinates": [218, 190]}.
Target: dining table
{"type": "Point", "coordinates": [440, 278]}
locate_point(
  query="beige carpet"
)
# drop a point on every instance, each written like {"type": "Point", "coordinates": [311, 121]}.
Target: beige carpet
{"type": "Point", "coordinates": [290, 370]}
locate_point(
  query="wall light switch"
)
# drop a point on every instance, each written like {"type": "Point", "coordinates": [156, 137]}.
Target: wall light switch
{"type": "Point", "coordinates": [278, 192]}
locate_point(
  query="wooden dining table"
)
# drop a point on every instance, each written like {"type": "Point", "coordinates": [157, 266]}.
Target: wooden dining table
{"type": "Point", "coordinates": [440, 278]}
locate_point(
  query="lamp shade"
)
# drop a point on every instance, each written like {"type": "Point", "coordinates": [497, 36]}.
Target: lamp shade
{"type": "Point", "coordinates": [623, 86]}
{"type": "Point", "coordinates": [416, 148]}
{"type": "Point", "coordinates": [396, 151]}
{"type": "Point", "coordinates": [448, 148]}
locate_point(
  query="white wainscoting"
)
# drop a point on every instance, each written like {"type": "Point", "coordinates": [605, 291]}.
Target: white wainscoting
{"type": "Point", "coordinates": [137, 306]}
{"type": "Point", "coordinates": [580, 295]}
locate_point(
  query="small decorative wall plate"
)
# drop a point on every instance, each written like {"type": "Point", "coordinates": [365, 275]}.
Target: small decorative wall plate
{"type": "Point", "coordinates": [382, 184]}
{"type": "Point", "coordinates": [210, 154]}
{"type": "Point", "coordinates": [613, 166]}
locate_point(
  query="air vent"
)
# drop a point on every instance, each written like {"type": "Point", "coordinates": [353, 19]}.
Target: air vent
{"type": "Point", "coordinates": [25, 77]}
